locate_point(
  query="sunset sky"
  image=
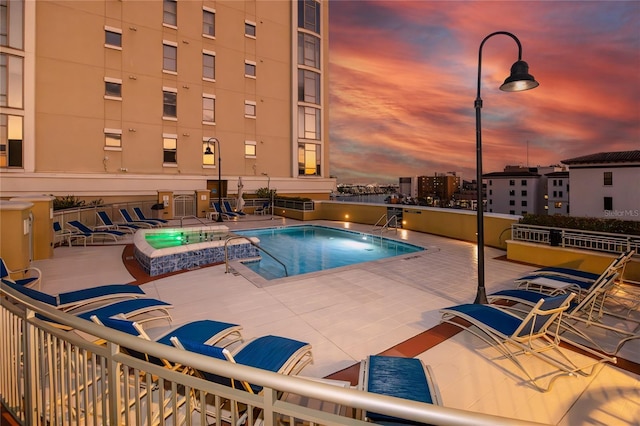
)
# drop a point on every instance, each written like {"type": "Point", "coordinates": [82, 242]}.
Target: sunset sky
{"type": "Point", "coordinates": [404, 75]}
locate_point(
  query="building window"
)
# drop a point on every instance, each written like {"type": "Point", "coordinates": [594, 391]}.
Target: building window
{"type": "Point", "coordinates": [309, 159]}
{"type": "Point", "coordinates": [308, 123]}
{"type": "Point", "coordinates": [523, 203]}
{"type": "Point", "coordinates": [11, 24]}
{"type": "Point", "coordinates": [491, 192]}
{"type": "Point", "coordinates": [309, 15]}
{"type": "Point", "coordinates": [608, 203]}
{"type": "Point", "coordinates": [11, 81]}
{"type": "Point", "coordinates": [558, 204]}
{"type": "Point", "coordinates": [208, 159]}
{"type": "Point", "coordinates": [512, 202]}
{"type": "Point", "coordinates": [208, 109]}
{"type": "Point", "coordinates": [512, 212]}
{"type": "Point", "coordinates": [559, 182]}
{"type": "Point", "coordinates": [512, 182]}
{"type": "Point", "coordinates": [170, 104]}
{"type": "Point", "coordinates": [309, 50]}
{"type": "Point", "coordinates": [608, 178]}
{"type": "Point", "coordinates": [11, 137]}
{"type": "Point", "coordinates": [170, 149]}
{"type": "Point", "coordinates": [555, 182]}
{"type": "Point", "coordinates": [523, 193]}
{"type": "Point", "coordinates": [112, 138]}
{"type": "Point", "coordinates": [555, 194]}
{"type": "Point", "coordinates": [560, 194]}
{"type": "Point", "coordinates": [209, 66]}
{"type": "Point", "coordinates": [249, 69]}
{"type": "Point", "coordinates": [512, 192]}
{"type": "Point", "coordinates": [113, 38]}
{"type": "Point", "coordinates": [170, 13]}
{"type": "Point", "coordinates": [169, 57]}
{"type": "Point", "coordinates": [209, 23]}
{"type": "Point", "coordinates": [249, 149]}
{"type": "Point", "coordinates": [523, 182]}
{"type": "Point", "coordinates": [523, 212]}
{"type": "Point", "coordinates": [249, 109]}
{"type": "Point", "coordinates": [250, 29]}
{"type": "Point", "coordinates": [490, 201]}
{"type": "Point", "coordinates": [309, 87]}
{"type": "Point", "coordinates": [112, 88]}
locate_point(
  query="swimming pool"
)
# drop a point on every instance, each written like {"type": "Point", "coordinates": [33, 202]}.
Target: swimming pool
{"type": "Point", "coordinates": [311, 248]}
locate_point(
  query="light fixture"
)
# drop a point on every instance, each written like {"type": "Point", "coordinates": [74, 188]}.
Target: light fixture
{"type": "Point", "coordinates": [518, 81]}
{"type": "Point", "coordinates": [208, 151]}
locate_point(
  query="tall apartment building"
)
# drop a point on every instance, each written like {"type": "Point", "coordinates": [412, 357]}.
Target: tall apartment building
{"type": "Point", "coordinates": [605, 185]}
{"type": "Point", "coordinates": [518, 190]}
{"type": "Point", "coordinates": [125, 98]}
{"type": "Point", "coordinates": [439, 187]}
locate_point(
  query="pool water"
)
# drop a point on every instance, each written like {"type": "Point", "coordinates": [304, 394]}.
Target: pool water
{"type": "Point", "coordinates": [311, 248]}
{"type": "Point", "coordinates": [173, 238]}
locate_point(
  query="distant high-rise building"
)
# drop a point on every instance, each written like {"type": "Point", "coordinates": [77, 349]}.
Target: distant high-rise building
{"type": "Point", "coordinates": [123, 98]}
{"type": "Point", "coordinates": [439, 187]}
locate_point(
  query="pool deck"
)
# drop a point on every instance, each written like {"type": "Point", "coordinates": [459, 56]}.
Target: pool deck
{"type": "Point", "coordinates": [389, 306]}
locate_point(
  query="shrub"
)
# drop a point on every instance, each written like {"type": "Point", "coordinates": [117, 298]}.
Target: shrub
{"type": "Point", "coordinates": [614, 226]}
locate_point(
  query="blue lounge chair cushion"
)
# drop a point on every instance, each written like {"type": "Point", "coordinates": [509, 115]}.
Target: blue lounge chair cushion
{"type": "Point", "coordinates": [529, 296]}
{"type": "Point", "coordinates": [85, 230]}
{"type": "Point", "coordinates": [79, 296]}
{"type": "Point", "coordinates": [141, 216]}
{"type": "Point", "coordinates": [128, 307]}
{"type": "Point", "coordinates": [197, 331]}
{"type": "Point", "coordinates": [568, 280]}
{"type": "Point", "coordinates": [400, 377]}
{"type": "Point", "coordinates": [4, 274]}
{"type": "Point", "coordinates": [29, 292]}
{"type": "Point", "coordinates": [568, 271]}
{"type": "Point", "coordinates": [127, 218]}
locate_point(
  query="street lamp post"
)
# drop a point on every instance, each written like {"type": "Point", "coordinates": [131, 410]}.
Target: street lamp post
{"type": "Point", "coordinates": [219, 166]}
{"type": "Point", "coordinates": [518, 81]}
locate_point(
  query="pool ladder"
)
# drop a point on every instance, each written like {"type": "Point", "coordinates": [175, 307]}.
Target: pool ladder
{"type": "Point", "coordinates": [384, 224]}
{"type": "Point", "coordinates": [238, 237]}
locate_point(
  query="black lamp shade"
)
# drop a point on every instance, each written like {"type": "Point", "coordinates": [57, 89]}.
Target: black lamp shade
{"type": "Point", "coordinates": [520, 79]}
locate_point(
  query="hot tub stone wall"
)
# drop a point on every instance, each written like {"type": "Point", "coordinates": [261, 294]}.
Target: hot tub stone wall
{"type": "Point", "coordinates": [192, 259]}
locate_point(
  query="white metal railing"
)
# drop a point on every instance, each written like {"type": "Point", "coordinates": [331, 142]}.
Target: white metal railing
{"type": "Point", "coordinates": [384, 224]}
{"type": "Point", "coordinates": [589, 240]}
{"type": "Point", "coordinates": [51, 376]}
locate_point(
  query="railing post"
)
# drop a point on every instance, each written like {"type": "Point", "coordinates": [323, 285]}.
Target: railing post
{"type": "Point", "coordinates": [113, 379]}
{"type": "Point", "coordinates": [270, 398]}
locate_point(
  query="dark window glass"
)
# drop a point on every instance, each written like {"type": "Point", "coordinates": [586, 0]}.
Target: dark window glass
{"type": "Point", "coordinates": [608, 203]}
{"type": "Point", "coordinates": [169, 58]}
{"type": "Point", "coordinates": [170, 15]}
{"type": "Point", "coordinates": [249, 29]}
{"type": "Point", "coordinates": [112, 89]}
{"type": "Point", "coordinates": [112, 38]}
{"type": "Point", "coordinates": [170, 104]}
{"type": "Point", "coordinates": [208, 66]}
{"type": "Point", "coordinates": [608, 178]}
{"type": "Point", "coordinates": [309, 15]}
{"type": "Point", "coordinates": [208, 23]}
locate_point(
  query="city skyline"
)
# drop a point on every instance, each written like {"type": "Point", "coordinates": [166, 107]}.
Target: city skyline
{"type": "Point", "coordinates": [404, 77]}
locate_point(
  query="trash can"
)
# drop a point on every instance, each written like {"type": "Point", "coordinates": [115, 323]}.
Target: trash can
{"type": "Point", "coordinates": [555, 237]}
{"type": "Point", "coordinates": [157, 210]}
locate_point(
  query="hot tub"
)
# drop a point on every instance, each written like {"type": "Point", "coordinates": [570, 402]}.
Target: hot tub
{"type": "Point", "coordinates": [160, 251]}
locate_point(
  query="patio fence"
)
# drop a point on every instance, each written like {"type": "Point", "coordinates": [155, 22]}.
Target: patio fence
{"type": "Point", "coordinates": [573, 238]}
{"type": "Point", "coordinates": [53, 377]}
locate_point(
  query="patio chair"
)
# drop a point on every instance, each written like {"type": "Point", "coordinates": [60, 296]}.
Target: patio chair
{"type": "Point", "coordinates": [573, 279]}
{"type": "Point", "coordinates": [273, 353]}
{"type": "Point", "coordinates": [227, 208]}
{"type": "Point", "coordinates": [407, 378]}
{"type": "Point", "coordinates": [589, 311]}
{"type": "Point", "coordinates": [225, 214]}
{"type": "Point", "coordinates": [262, 209]}
{"type": "Point", "coordinates": [28, 277]}
{"type": "Point", "coordinates": [107, 223]}
{"type": "Point", "coordinates": [91, 233]}
{"type": "Point", "coordinates": [73, 300]}
{"type": "Point", "coordinates": [62, 235]}
{"type": "Point", "coordinates": [138, 212]}
{"type": "Point", "coordinates": [514, 336]}
{"type": "Point", "coordinates": [143, 223]}
{"type": "Point", "coordinates": [206, 332]}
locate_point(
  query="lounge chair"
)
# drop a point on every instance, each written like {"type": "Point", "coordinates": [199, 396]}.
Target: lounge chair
{"type": "Point", "coordinates": [205, 332]}
{"type": "Point", "coordinates": [550, 278]}
{"type": "Point", "coordinates": [61, 235]}
{"type": "Point", "coordinates": [227, 208]}
{"type": "Point", "coordinates": [73, 300]}
{"type": "Point", "coordinates": [589, 311]}
{"type": "Point", "coordinates": [514, 336]}
{"type": "Point", "coordinates": [91, 233]}
{"type": "Point", "coordinates": [141, 216]}
{"type": "Point", "coordinates": [273, 353]}
{"type": "Point", "coordinates": [221, 211]}
{"type": "Point", "coordinates": [144, 223]}
{"type": "Point", "coordinates": [262, 209]}
{"type": "Point", "coordinates": [107, 223]}
{"type": "Point", "coordinates": [407, 378]}
{"type": "Point", "coordinates": [28, 277]}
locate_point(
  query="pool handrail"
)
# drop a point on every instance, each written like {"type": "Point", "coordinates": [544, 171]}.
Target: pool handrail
{"type": "Point", "coordinates": [236, 237]}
